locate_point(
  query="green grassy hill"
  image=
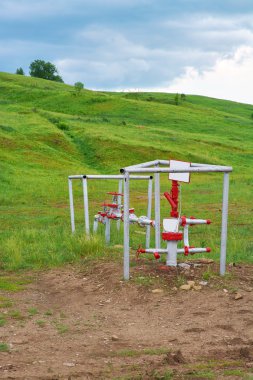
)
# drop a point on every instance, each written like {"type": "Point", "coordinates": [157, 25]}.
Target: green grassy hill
{"type": "Point", "coordinates": [47, 132]}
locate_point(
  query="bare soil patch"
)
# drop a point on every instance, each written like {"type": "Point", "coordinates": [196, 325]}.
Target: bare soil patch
{"type": "Point", "coordinates": [82, 322]}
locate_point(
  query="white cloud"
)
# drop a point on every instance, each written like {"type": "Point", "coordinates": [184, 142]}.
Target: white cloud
{"type": "Point", "coordinates": [23, 9]}
{"type": "Point", "coordinates": [230, 78]}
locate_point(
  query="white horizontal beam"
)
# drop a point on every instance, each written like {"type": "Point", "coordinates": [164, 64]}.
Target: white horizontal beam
{"type": "Point", "coordinates": [142, 165]}
{"type": "Point", "coordinates": [201, 169]}
{"type": "Point", "coordinates": [119, 176]}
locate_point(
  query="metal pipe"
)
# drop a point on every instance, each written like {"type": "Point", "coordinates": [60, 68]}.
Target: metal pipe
{"type": "Point", "coordinates": [206, 169]}
{"type": "Point", "coordinates": [186, 235]}
{"type": "Point", "coordinates": [71, 204]}
{"type": "Point", "coordinates": [157, 210]}
{"type": "Point", "coordinates": [107, 230]}
{"type": "Point", "coordinates": [126, 226]}
{"type": "Point", "coordinates": [120, 187]}
{"type": "Point", "coordinates": [142, 165]}
{"type": "Point", "coordinates": [224, 224]}
{"type": "Point", "coordinates": [179, 250]}
{"type": "Point", "coordinates": [164, 162]}
{"type": "Point", "coordinates": [149, 211]}
{"type": "Point", "coordinates": [86, 206]}
{"type": "Point", "coordinates": [117, 176]}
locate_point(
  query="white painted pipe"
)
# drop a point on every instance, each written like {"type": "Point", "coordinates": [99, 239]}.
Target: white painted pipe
{"type": "Point", "coordinates": [107, 230]}
{"type": "Point", "coordinates": [71, 204]}
{"type": "Point", "coordinates": [95, 224]}
{"type": "Point", "coordinates": [149, 211]}
{"type": "Point", "coordinates": [116, 176]}
{"type": "Point", "coordinates": [126, 227]}
{"type": "Point", "coordinates": [86, 206]}
{"type": "Point", "coordinates": [142, 165]}
{"type": "Point", "coordinates": [171, 260]}
{"type": "Point", "coordinates": [179, 250]}
{"type": "Point", "coordinates": [189, 221]}
{"type": "Point", "coordinates": [224, 222]}
{"type": "Point", "coordinates": [157, 210]}
{"type": "Point", "coordinates": [186, 236]}
{"type": "Point", "coordinates": [206, 169]}
{"type": "Point", "coordinates": [120, 188]}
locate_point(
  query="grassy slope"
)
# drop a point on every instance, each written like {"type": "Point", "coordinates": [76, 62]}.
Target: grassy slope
{"type": "Point", "coordinates": [47, 133]}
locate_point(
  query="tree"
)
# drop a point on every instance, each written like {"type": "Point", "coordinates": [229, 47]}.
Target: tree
{"type": "Point", "coordinates": [45, 70]}
{"type": "Point", "coordinates": [78, 87]}
{"type": "Point", "coordinates": [20, 71]}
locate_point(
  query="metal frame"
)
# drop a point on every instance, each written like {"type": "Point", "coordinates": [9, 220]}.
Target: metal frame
{"type": "Point", "coordinates": [85, 178]}
{"type": "Point", "coordinates": [155, 167]}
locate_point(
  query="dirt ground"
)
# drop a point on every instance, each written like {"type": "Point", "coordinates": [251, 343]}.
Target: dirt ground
{"type": "Point", "coordinates": [84, 322]}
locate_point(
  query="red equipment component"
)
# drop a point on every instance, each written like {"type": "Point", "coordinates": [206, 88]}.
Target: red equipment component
{"type": "Point", "coordinates": [156, 255]}
{"type": "Point", "coordinates": [186, 250]}
{"type": "Point", "coordinates": [111, 216]}
{"type": "Point", "coordinates": [111, 205]}
{"type": "Point", "coordinates": [208, 249]}
{"type": "Point", "coordinates": [115, 193]}
{"type": "Point", "coordinates": [170, 236]}
{"type": "Point", "coordinates": [183, 221]}
{"type": "Point", "coordinates": [173, 198]}
{"type": "Point", "coordinates": [141, 250]}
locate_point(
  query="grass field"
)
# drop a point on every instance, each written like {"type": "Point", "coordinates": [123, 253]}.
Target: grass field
{"type": "Point", "coordinates": [48, 132]}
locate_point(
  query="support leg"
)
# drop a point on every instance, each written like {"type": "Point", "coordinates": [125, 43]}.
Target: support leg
{"type": "Point", "coordinates": [119, 200]}
{"type": "Point", "coordinates": [157, 211]}
{"type": "Point", "coordinates": [224, 222]}
{"type": "Point", "coordinates": [86, 206]}
{"type": "Point", "coordinates": [126, 226]}
{"type": "Point", "coordinates": [107, 230]}
{"type": "Point", "coordinates": [148, 228]}
{"type": "Point", "coordinates": [71, 204]}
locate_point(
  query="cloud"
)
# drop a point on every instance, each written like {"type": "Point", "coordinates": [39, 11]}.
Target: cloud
{"type": "Point", "coordinates": [230, 78]}
{"type": "Point", "coordinates": [24, 9]}
{"type": "Point", "coordinates": [116, 44]}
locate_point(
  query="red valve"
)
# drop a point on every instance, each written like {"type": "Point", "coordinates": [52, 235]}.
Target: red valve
{"type": "Point", "coordinates": [141, 250]}
{"type": "Point", "coordinates": [156, 255]}
{"type": "Point", "coordinates": [173, 199]}
{"type": "Point", "coordinates": [111, 205]}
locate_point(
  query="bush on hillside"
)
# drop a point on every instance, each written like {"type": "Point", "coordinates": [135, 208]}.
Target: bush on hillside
{"type": "Point", "coordinates": [20, 71]}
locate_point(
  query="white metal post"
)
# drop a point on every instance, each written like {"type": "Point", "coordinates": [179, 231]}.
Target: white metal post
{"type": "Point", "coordinates": [171, 259]}
{"type": "Point", "coordinates": [86, 206]}
{"type": "Point", "coordinates": [224, 224]}
{"type": "Point", "coordinates": [126, 226]}
{"type": "Point", "coordinates": [119, 200]}
{"type": "Point", "coordinates": [71, 204]}
{"type": "Point", "coordinates": [157, 210]}
{"type": "Point", "coordinates": [149, 211]}
{"type": "Point", "coordinates": [107, 230]}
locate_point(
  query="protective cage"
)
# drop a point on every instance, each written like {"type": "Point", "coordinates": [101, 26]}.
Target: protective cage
{"type": "Point", "coordinates": [123, 214]}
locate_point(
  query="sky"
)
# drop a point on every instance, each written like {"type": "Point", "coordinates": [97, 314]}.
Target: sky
{"type": "Point", "coordinates": [202, 47]}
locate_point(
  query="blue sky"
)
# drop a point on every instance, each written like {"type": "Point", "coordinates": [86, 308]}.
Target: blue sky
{"type": "Point", "coordinates": [191, 46]}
